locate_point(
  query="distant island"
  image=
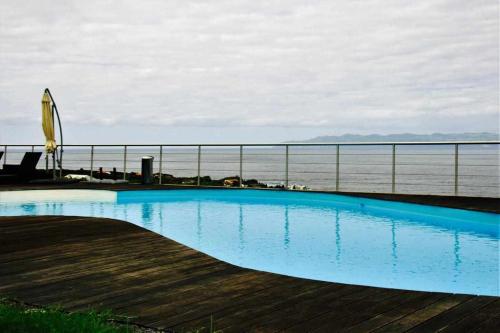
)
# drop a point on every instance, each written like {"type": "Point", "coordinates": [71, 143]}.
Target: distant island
{"type": "Point", "coordinates": [404, 137]}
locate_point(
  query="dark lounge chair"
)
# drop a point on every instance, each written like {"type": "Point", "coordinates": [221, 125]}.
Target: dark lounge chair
{"type": "Point", "coordinates": [26, 170]}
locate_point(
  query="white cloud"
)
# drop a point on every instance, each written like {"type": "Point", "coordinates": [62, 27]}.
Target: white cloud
{"type": "Point", "coordinates": [342, 64]}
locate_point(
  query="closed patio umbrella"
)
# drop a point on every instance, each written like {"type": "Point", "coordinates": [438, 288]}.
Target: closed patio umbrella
{"type": "Point", "coordinates": [48, 124]}
{"type": "Point", "coordinates": [49, 108]}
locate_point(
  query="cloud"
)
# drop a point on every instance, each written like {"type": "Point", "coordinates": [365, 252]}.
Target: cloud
{"type": "Point", "coordinates": [232, 63]}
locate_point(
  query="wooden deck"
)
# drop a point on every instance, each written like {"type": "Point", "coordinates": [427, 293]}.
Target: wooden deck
{"type": "Point", "coordinates": [80, 262]}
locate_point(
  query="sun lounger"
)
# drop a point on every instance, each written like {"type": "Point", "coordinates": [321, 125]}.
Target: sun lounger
{"type": "Point", "coordinates": [27, 166]}
{"type": "Point", "coordinates": [26, 170]}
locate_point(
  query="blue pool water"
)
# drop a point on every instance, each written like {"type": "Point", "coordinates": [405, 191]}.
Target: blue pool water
{"type": "Point", "coordinates": [311, 235]}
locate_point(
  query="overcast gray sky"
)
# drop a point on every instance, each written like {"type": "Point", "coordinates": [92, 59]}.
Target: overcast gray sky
{"type": "Point", "coordinates": [250, 71]}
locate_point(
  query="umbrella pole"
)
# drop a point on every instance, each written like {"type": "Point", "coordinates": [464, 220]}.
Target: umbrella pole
{"type": "Point", "coordinates": [54, 166]}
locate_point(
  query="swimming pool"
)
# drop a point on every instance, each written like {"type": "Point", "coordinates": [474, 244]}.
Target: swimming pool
{"type": "Point", "coordinates": [311, 235]}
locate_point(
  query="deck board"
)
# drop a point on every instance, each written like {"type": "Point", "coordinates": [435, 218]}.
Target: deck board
{"type": "Point", "coordinates": [78, 263]}
{"type": "Point", "coordinates": [453, 315]}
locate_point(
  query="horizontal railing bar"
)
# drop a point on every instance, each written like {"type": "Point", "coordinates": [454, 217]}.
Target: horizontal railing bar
{"type": "Point", "coordinates": [313, 172]}
{"type": "Point", "coordinates": [215, 162]}
{"type": "Point", "coordinates": [232, 169]}
{"type": "Point", "coordinates": [450, 185]}
{"type": "Point", "coordinates": [411, 184]}
{"type": "Point", "coordinates": [316, 180]}
{"type": "Point", "coordinates": [389, 154]}
{"type": "Point", "coordinates": [264, 171]}
{"type": "Point", "coordinates": [443, 175]}
{"type": "Point", "coordinates": [220, 162]}
{"type": "Point", "coordinates": [96, 152]}
{"type": "Point", "coordinates": [389, 164]}
{"type": "Point", "coordinates": [355, 154]}
{"type": "Point", "coordinates": [205, 171]}
{"type": "Point", "coordinates": [295, 144]}
{"type": "Point", "coordinates": [479, 186]}
{"type": "Point", "coordinates": [312, 163]}
{"type": "Point", "coordinates": [270, 153]}
{"type": "Point", "coordinates": [297, 163]}
{"type": "Point", "coordinates": [176, 169]}
{"type": "Point", "coordinates": [85, 152]}
{"type": "Point", "coordinates": [352, 164]}
{"type": "Point", "coordinates": [478, 154]}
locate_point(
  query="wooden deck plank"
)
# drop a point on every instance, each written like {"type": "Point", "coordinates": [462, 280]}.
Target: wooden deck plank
{"type": "Point", "coordinates": [358, 311]}
{"type": "Point", "coordinates": [99, 279]}
{"type": "Point", "coordinates": [403, 306]}
{"type": "Point", "coordinates": [456, 313]}
{"type": "Point", "coordinates": [80, 249]}
{"type": "Point", "coordinates": [490, 325]}
{"type": "Point", "coordinates": [479, 320]}
{"type": "Point", "coordinates": [222, 306]}
{"type": "Point", "coordinates": [41, 275]}
{"type": "Point", "coordinates": [98, 257]}
{"type": "Point", "coordinates": [236, 282]}
{"type": "Point", "coordinates": [107, 264]}
{"type": "Point", "coordinates": [128, 297]}
{"type": "Point", "coordinates": [221, 285]}
{"type": "Point", "coordinates": [335, 311]}
{"type": "Point", "coordinates": [122, 269]}
{"type": "Point", "coordinates": [285, 312]}
{"type": "Point", "coordinates": [12, 226]}
{"type": "Point", "coordinates": [90, 260]}
{"type": "Point", "coordinates": [415, 318]}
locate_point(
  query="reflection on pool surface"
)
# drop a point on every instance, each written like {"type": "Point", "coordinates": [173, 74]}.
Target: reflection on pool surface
{"type": "Point", "coordinates": [318, 236]}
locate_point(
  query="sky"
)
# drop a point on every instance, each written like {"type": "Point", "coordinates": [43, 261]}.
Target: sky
{"type": "Point", "coordinates": [247, 71]}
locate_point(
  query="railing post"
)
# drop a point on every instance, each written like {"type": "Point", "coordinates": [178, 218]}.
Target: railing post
{"type": "Point", "coordinates": [393, 168]}
{"type": "Point", "coordinates": [91, 160]}
{"type": "Point", "coordinates": [286, 167]}
{"type": "Point", "coordinates": [160, 167]}
{"type": "Point", "coordinates": [32, 148]}
{"type": "Point", "coordinates": [456, 169]}
{"type": "Point", "coordinates": [124, 162]}
{"type": "Point", "coordinates": [199, 164]}
{"type": "Point", "coordinates": [337, 170]}
{"type": "Point", "coordinates": [5, 154]}
{"type": "Point", "coordinates": [241, 166]}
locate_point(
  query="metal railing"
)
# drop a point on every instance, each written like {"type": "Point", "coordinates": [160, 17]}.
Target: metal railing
{"type": "Point", "coordinates": [455, 168]}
